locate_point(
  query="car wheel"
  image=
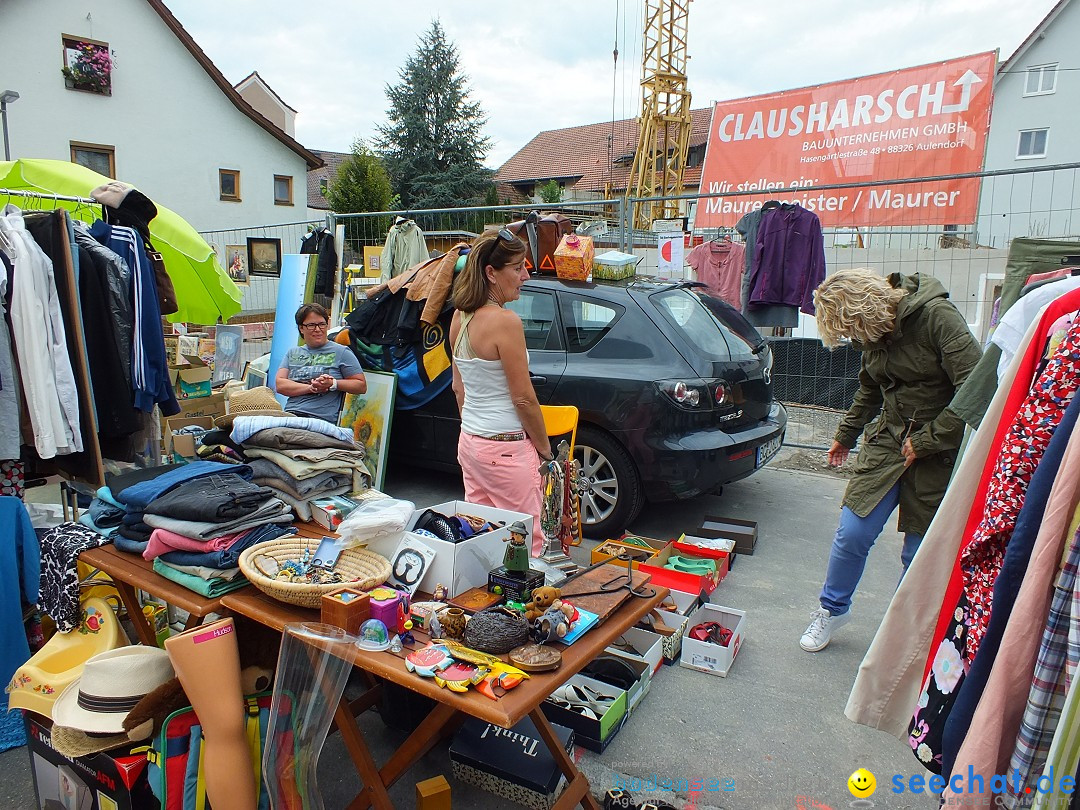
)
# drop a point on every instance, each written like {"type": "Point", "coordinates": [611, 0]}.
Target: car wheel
{"type": "Point", "coordinates": [611, 493]}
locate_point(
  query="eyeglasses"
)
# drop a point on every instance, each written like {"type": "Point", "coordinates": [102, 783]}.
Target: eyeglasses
{"type": "Point", "coordinates": [315, 326]}
{"type": "Point", "coordinates": [505, 234]}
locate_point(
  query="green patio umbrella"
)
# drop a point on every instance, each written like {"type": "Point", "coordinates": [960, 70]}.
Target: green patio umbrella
{"type": "Point", "coordinates": [204, 291]}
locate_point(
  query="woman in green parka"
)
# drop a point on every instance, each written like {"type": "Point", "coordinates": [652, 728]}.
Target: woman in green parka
{"type": "Point", "coordinates": [916, 352]}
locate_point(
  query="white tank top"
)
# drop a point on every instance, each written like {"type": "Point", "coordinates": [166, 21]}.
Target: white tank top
{"type": "Point", "coordinates": [488, 408]}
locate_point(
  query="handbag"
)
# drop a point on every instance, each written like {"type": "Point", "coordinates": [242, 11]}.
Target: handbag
{"type": "Point", "coordinates": [165, 290]}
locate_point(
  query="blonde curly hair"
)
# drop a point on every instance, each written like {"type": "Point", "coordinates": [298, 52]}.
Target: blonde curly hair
{"type": "Point", "coordinates": [855, 304]}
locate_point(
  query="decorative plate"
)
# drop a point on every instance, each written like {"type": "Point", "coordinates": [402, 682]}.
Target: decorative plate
{"type": "Point", "coordinates": [535, 658]}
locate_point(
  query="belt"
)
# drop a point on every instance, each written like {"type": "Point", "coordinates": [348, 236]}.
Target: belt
{"type": "Point", "coordinates": [505, 437]}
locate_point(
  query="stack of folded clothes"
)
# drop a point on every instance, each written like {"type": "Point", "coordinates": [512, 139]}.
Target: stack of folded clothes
{"type": "Point", "coordinates": [136, 488]}
{"type": "Point", "coordinates": [105, 514]}
{"type": "Point", "coordinates": [301, 459]}
{"type": "Point", "coordinates": [209, 521]}
{"type": "Point", "coordinates": [216, 445]}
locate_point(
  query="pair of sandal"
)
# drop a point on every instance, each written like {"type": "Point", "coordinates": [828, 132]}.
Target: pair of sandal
{"type": "Point", "coordinates": [582, 699]}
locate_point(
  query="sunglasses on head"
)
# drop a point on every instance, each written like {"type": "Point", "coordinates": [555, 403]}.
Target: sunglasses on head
{"type": "Point", "coordinates": [505, 234]}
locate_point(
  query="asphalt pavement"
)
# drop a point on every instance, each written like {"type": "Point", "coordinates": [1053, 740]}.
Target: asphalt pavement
{"type": "Point", "coordinates": [774, 726]}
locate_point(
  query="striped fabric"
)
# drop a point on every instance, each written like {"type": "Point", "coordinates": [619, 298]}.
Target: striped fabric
{"type": "Point", "coordinates": [1058, 657]}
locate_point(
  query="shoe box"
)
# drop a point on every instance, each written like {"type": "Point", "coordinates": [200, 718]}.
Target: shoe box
{"type": "Point", "coordinates": [640, 645]}
{"type": "Point", "coordinates": [678, 621]}
{"type": "Point", "coordinates": [743, 532]}
{"type": "Point", "coordinates": [511, 763]}
{"type": "Point", "coordinates": [705, 656]}
{"type": "Point", "coordinates": [595, 734]}
{"type": "Point", "coordinates": [111, 780]}
{"type": "Point", "coordinates": [682, 580]}
{"type": "Point", "coordinates": [625, 667]}
{"type": "Point", "coordinates": [607, 550]}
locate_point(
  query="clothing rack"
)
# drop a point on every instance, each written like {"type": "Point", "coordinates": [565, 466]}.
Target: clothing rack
{"type": "Point", "coordinates": [41, 195]}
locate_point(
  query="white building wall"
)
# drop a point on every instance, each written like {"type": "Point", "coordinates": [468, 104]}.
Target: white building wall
{"type": "Point", "coordinates": [1046, 204]}
{"type": "Point", "coordinates": [170, 124]}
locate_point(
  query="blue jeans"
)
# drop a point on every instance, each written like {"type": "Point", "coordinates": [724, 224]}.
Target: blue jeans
{"type": "Point", "coordinates": [854, 537]}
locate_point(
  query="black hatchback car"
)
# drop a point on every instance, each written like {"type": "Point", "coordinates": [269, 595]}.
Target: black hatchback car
{"type": "Point", "coordinates": [673, 389]}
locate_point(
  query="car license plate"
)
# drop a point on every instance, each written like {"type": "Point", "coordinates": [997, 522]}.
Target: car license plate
{"type": "Point", "coordinates": [767, 451]}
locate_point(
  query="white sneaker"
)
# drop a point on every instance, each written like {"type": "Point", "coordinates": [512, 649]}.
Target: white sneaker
{"type": "Point", "coordinates": [819, 633]}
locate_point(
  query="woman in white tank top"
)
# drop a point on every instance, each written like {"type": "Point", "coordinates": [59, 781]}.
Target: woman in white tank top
{"type": "Point", "coordinates": [503, 438]}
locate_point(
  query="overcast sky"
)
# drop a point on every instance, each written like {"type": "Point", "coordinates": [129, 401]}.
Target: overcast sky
{"type": "Point", "coordinates": [537, 66]}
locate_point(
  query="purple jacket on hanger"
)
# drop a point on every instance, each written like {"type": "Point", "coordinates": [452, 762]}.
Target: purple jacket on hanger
{"type": "Point", "coordinates": [789, 259]}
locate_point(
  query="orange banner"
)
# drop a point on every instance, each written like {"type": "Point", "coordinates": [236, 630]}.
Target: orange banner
{"type": "Point", "coordinates": [924, 121]}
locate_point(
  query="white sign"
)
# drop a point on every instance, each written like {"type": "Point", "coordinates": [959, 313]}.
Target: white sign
{"type": "Point", "coordinates": [669, 257]}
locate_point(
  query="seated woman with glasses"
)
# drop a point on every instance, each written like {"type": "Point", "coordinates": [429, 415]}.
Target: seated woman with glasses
{"type": "Point", "coordinates": [503, 438]}
{"type": "Point", "coordinates": [316, 376]}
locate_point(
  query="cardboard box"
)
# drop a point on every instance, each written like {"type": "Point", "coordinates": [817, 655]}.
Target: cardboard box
{"type": "Point", "coordinates": [515, 587]}
{"type": "Point", "coordinates": [671, 646]}
{"type": "Point", "coordinates": [512, 763]}
{"type": "Point", "coordinates": [329, 512]}
{"type": "Point", "coordinates": [686, 545]}
{"type": "Point", "coordinates": [191, 380]}
{"type": "Point", "coordinates": [213, 405]}
{"type": "Point", "coordinates": [604, 550]}
{"type": "Point", "coordinates": [597, 731]}
{"type": "Point", "coordinates": [464, 565]}
{"type": "Point", "coordinates": [183, 445]}
{"type": "Point", "coordinates": [645, 645]}
{"type": "Point", "coordinates": [681, 580]}
{"type": "Point", "coordinates": [640, 687]}
{"type": "Point", "coordinates": [704, 656]}
{"type": "Point", "coordinates": [599, 746]}
{"type": "Point", "coordinates": [112, 780]}
{"type": "Point", "coordinates": [743, 532]}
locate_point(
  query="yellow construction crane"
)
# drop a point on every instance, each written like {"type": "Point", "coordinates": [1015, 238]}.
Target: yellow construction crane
{"type": "Point", "coordinates": [664, 127]}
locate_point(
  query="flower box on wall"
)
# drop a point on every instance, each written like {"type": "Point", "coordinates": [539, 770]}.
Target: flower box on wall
{"type": "Point", "coordinates": [87, 66]}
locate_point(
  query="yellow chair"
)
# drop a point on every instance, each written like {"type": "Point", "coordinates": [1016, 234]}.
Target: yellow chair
{"type": "Point", "coordinates": [560, 422]}
{"type": "Point", "coordinates": [37, 683]}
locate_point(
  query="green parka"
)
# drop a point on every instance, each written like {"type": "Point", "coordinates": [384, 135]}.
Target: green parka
{"type": "Point", "coordinates": [906, 382]}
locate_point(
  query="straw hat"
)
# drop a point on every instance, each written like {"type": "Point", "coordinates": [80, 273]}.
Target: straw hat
{"type": "Point", "coordinates": [111, 685]}
{"type": "Point", "coordinates": [253, 402]}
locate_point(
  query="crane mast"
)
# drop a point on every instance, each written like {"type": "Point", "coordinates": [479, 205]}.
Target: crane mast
{"type": "Point", "coordinates": [664, 127]}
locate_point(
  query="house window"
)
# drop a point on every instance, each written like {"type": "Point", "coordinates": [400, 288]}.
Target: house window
{"type": "Point", "coordinates": [229, 184]}
{"type": "Point", "coordinates": [95, 156]}
{"type": "Point", "coordinates": [1032, 143]}
{"type": "Point", "coordinates": [324, 186]}
{"type": "Point", "coordinates": [87, 65]}
{"type": "Point", "coordinates": [1041, 80]}
{"type": "Point", "coordinates": [282, 189]}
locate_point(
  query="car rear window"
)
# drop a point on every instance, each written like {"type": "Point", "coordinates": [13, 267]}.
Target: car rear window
{"type": "Point", "coordinates": [714, 327]}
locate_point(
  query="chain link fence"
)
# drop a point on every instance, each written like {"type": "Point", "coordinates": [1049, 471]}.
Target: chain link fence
{"type": "Point", "coordinates": [816, 385]}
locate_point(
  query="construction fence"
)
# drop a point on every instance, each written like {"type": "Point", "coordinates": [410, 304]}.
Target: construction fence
{"type": "Point", "coordinates": [817, 385]}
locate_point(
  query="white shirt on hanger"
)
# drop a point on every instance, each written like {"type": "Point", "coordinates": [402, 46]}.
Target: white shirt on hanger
{"type": "Point", "coordinates": [1009, 333]}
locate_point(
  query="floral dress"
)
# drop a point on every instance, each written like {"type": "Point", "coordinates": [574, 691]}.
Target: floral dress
{"type": "Point", "coordinates": [980, 561]}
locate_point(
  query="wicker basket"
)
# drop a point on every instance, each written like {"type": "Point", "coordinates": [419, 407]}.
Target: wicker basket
{"type": "Point", "coordinates": [358, 567]}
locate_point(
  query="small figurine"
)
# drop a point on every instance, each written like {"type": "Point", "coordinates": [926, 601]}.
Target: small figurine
{"type": "Point", "coordinates": [542, 599]}
{"type": "Point", "coordinates": [441, 593]}
{"type": "Point", "coordinates": [395, 644]}
{"type": "Point", "coordinates": [516, 558]}
{"type": "Point", "coordinates": [406, 633]}
{"type": "Point", "coordinates": [551, 626]}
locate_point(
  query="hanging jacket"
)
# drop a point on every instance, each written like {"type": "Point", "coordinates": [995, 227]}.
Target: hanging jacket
{"type": "Point", "coordinates": [118, 277]}
{"type": "Point", "coordinates": [789, 260]}
{"type": "Point", "coordinates": [150, 370]}
{"type": "Point", "coordinates": [905, 383]}
{"type": "Point", "coordinates": [404, 247]}
{"type": "Point", "coordinates": [321, 241]}
{"type": "Point", "coordinates": [41, 344]}
{"type": "Point", "coordinates": [20, 562]}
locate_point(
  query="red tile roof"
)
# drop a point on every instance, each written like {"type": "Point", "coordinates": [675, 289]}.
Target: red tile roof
{"type": "Point", "coordinates": [581, 155]}
{"type": "Point", "coordinates": [331, 163]}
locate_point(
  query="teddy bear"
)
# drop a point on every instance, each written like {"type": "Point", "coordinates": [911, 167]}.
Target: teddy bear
{"type": "Point", "coordinates": [542, 598]}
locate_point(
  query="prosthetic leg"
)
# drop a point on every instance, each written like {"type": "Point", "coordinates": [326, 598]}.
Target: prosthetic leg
{"type": "Point", "coordinates": [207, 663]}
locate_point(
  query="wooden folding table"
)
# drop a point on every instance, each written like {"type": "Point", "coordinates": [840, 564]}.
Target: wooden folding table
{"type": "Point", "coordinates": [451, 708]}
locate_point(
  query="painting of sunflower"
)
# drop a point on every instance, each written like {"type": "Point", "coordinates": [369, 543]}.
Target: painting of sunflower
{"type": "Point", "coordinates": [368, 416]}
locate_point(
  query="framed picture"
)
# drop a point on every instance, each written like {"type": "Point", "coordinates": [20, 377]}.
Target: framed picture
{"type": "Point", "coordinates": [254, 377]}
{"type": "Point", "coordinates": [264, 256]}
{"type": "Point", "coordinates": [369, 416]}
{"type": "Point", "coordinates": [236, 263]}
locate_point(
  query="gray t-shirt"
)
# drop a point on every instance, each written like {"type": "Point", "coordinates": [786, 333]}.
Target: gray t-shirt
{"type": "Point", "coordinates": [306, 364]}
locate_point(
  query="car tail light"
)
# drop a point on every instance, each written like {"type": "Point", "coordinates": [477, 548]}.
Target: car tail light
{"type": "Point", "coordinates": [692, 394]}
{"type": "Point", "coordinates": [721, 395]}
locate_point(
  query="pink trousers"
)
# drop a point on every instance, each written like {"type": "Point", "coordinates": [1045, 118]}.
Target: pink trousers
{"type": "Point", "coordinates": [505, 475]}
